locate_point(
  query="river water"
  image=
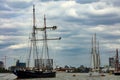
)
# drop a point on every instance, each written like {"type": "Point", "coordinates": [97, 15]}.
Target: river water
{"type": "Point", "coordinates": [65, 76]}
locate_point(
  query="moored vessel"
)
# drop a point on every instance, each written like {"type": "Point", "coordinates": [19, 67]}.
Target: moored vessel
{"type": "Point", "coordinates": [43, 65]}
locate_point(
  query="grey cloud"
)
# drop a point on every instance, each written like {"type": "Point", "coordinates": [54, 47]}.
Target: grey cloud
{"type": "Point", "coordinates": [12, 9]}
{"type": "Point", "coordinates": [52, 0]}
{"type": "Point", "coordinates": [95, 19]}
{"type": "Point", "coordinates": [8, 31]}
{"type": "Point", "coordinates": [5, 45]}
{"type": "Point", "coordinates": [103, 20]}
{"type": "Point", "coordinates": [9, 15]}
{"type": "Point", "coordinates": [116, 3]}
{"type": "Point", "coordinates": [110, 36]}
{"type": "Point", "coordinates": [6, 5]}
{"type": "Point", "coordinates": [45, 0]}
{"type": "Point", "coordinates": [113, 2]}
{"type": "Point", "coordinates": [3, 7]}
{"type": "Point", "coordinates": [99, 15]}
{"type": "Point", "coordinates": [86, 1]}
{"type": "Point", "coordinates": [19, 4]}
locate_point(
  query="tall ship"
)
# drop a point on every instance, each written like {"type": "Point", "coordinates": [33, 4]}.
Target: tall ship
{"type": "Point", "coordinates": [43, 64]}
{"type": "Point", "coordinates": [95, 58]}
{"type": "Point", "coordinates": [117, 64]}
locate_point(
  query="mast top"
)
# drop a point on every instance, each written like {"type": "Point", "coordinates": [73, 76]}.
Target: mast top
{"type": "Point", "coordinates": [34, 16]}
{"type": "Point", "coordinates": [117, 53]}
{"type": "Point", "coordinates": [44, 21]}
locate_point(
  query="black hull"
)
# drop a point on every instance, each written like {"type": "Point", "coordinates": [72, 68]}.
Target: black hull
{"type": "Point", "coordinates": [34, 74]}
{"type": "Point", "coordinates": [117, 73]}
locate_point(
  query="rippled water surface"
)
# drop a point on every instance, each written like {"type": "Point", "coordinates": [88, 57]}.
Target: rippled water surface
{"type": "Point", "coordinates": [67, 76]}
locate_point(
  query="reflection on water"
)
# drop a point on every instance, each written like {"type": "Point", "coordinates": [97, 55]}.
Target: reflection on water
{"type": "Point", "coordinates": [71, 76]}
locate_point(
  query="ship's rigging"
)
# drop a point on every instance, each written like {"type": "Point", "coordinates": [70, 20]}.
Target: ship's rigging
{"type": "Point", "coordinates": [44, 60]}
{"type": "Point", "coordinates": [95, 54]}
{"type": "Point", "coordinates": [43, 65]}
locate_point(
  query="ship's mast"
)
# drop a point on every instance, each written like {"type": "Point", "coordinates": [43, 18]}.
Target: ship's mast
{"type": "Point", "coordinates": [116, 61]}
{"type": "Point", "coordinates": [92, 53]}
{"type": "Point", "coordinates": [95, 54]}
{"type": "Point", "coordinates": [95, 42]}
{"type": "Point", "coordinates": [45, 51]}
{"type": "Point", "coordinates": [98, 55]}
{"type": "Point", "coordinates": [33, 46]}
{"type": "Point", "coordinates": [45, 39]}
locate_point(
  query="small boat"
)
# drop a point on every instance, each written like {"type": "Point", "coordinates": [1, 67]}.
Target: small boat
{"type": "Point", "coordinates": [117, 73]}
{"type": "Point", "coordinates": [43, 65]}
{"type": "Point", "coordinates": [102, 74]}
{"type": "Point", "coordinates": [73, 75]}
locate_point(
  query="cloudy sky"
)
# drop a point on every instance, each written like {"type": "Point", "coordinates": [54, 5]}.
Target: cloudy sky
{"type": "Point", "coordinates": [77, 21]}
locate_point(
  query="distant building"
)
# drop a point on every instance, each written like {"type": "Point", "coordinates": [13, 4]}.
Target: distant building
{"type": "Point", "coordinates": [20, 64]}
{"type": "Point", "coordinates": [1, 64]}
{"type": "Point", "coordinates": [111, 62]}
